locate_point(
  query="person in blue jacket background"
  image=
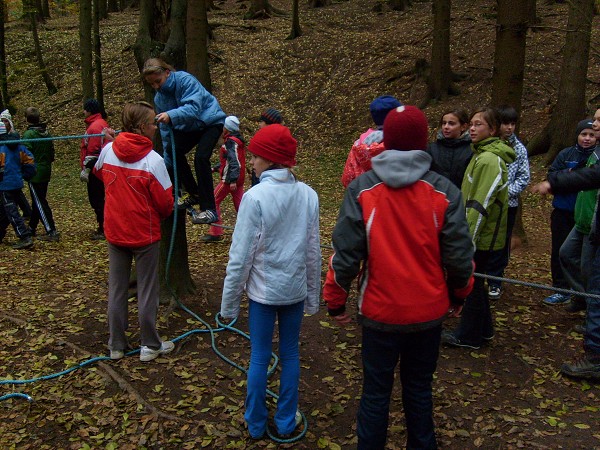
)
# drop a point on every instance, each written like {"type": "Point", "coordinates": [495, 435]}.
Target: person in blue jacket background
{"type": "Point", "coordinates": [196, 119]}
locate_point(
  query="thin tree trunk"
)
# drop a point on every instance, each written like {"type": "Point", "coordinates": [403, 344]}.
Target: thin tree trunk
{"type": "Point", "coordinates": [197, 42]}
{"type": "Point", "coordinates": [174, 51]}
{"type": "Point", "coordinates": [570, 104]}
{"type": "Point", "coordinates": [85, 48]}
{"type": "Point", "coordinates": [143, 42]}
{"type": "Point", "coordinates": [440, 77]}
{"type": "Point", "coordinates": [4, 98]}
{"type": "Point", "coordinates": [97, 54]}
{"type": "Point", "coordinates": [509, 54]}
{"type": "Point", "coordinates": [38, 53]}
{"type": "Point", "coordinates": [296, 30]}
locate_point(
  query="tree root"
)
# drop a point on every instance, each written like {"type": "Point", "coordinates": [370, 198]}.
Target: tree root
{"type": "Point", "coordinates": [123, 384]}
{"type": "Point", "coordinates": [15, 320]}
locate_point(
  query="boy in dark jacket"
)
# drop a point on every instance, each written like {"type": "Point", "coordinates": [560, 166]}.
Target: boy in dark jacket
{"type": "Point", "coordinates": [43, 152]}
{"type": "Point", "coordinates": [403, 228]}
{"type": "Point", "coordinates": [18, 164]}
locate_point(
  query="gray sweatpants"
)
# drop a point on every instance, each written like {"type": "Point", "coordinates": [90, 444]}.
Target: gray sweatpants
{"type": "Point", "coordinates": [119, 269]}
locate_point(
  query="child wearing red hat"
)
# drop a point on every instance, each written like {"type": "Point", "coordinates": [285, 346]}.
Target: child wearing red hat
{"type": "Point", "coordinates": [275, 257]}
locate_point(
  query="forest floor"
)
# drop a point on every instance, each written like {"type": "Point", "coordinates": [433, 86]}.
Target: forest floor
{"type": "Point", "coordinates": [509, 394]}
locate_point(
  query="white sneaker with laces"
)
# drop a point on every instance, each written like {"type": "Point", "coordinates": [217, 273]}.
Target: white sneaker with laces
{"type": "Point", "coordinates": [148, 354]}
{"type": "Point", "coordinates": [116, 354]}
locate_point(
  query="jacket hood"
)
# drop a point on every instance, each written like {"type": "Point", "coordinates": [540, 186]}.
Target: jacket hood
{"type": "Point", "coordinates": [40, 128]}
{"type": "Point", "coordinates": [465, 138]}
{"type": "Point", "coordinates": [92, 118]}
{"type": "Point", "coordinates": [497, 147]}
{"type": "Point", "coordinates": [401, 168]}
{"type": "Point", "coordinates": [131, 147]}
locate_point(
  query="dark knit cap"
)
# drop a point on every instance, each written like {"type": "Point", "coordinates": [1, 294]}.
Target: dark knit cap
{"type": "Point", "coordinates": [92, 105]}
{"type": "Point", "coordinates": [381, 106]}
{"type": "Point", "coordinates": [405, 128]}
{"type": "Point", "coordinates": [274, 143]}
{"type": "Point", "coordinates": [584, 125]}
{"type": "Point", "coordinates": [271, 116]}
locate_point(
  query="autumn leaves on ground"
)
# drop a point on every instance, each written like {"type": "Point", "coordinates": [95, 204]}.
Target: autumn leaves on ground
{"type": "Point", "coordinates": [508, 394]}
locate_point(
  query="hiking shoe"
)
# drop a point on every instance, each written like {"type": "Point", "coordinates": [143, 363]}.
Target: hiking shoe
{"type": "Point", "coordinates": [575, 305]}
{"type": "Point", "coordinates": [148, 354]}
{"type": "Point", "coordinates": [208, 216]}
{"type": "Point", "coordinates": [494, 292]}
{"type": "Point", "coordinates": [187, 201]}
{"type": "Point", "coordinates": [449, 338]}
{"type": "Point", "coordinates": [210, 238]}
{"type": "Point", "coordinates": [24, 242]}
{"type": "Point", "coordinates": [584, 367]}
{"type": "Point", "coordinates": [52, 236]}
{"type": "Point", "coordinates": [116, 354]}
{"type": "Point", "coordinates": [556, 299]}
{"type": "Point", "coordinates": [98, 236]}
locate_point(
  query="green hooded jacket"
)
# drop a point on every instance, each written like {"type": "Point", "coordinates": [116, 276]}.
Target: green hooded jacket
{"type": "Point", "coordinates": [586, 201]}
{"type": "Point", "coordinates": [42, 151]}
{"type": "Point", "coordinates": [485, 193]}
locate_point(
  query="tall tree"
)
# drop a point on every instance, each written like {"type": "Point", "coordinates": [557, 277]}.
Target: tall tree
{"type": "Point", "coordinates": [97, 53]}
{"type": "Point", "coordinates": [4, 98]}
{"type": "Point", "coordinates": [174, 51]}
{"type": "Point", "coordinates": [262, 9]}
{"type": "Point", "coordinates": [570, 103]}
{"type": "Point", "coordinates": [32, 13]}
{"type": "Point", "coordinates": [440, 77]}
{"type": "Point", "coordinates": [296, 30]}
{"type": "Point", "coordinates": [509, 55]}
{"type": "Point", "coordinates": [197, 42]}
{"type": "Point", "coordinates": [85, 48]}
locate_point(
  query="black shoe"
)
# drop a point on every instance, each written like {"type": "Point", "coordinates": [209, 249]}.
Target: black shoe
{"type": "Point", "coordinates": [98, 236]}
{"type": "Point", "coordinates": [211, 238]}
{"type": "Point", "coordinates": [449, 338]}
{"type": "Point", "coordinates": [575, 305]}
{"type": "Point", "coordinates": [585, 367]}
{"type": "Point", "coordinates": [579, 328]}
{"type": "Point", "coordinates": [24, 242]}
{"type": "Point", "coordinates": [53, 236]}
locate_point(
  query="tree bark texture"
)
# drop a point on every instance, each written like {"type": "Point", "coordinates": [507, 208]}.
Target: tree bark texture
{"type": "Point", "coordinates": [4, 98]}
{"type": "Point", "coordinates": [197, 42]}
{"type": "Point", "coordinates": [570, 104]}
{"type": "Point", "coordinates": [97, 53]}
{"type": "Point", "coordinates": [441, 73]}
{"type": "Point", "coordinates": [509, 54]}
{"type": "Point", "coordinates": [296, 30]}
{"type": "Point", "coordinates": [174, 51]}
{"type": "Point", "coordinates": [38, 53]}
{"type": "Point", "coordinates": [85, 48]}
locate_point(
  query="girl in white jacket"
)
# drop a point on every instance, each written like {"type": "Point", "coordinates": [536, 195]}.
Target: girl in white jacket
{"type": "Point", "coordinates": [275, 257]}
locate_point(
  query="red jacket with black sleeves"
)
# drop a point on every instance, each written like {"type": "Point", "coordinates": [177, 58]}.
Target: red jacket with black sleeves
{"type": "Point", "coordinates": [404, 229]}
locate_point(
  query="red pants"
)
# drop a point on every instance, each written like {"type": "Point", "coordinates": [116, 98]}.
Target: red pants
{"type": "Point", "coordinates": [221, 191]}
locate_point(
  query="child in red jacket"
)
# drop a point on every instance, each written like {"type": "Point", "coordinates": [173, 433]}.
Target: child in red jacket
{"type": "Point", "coordinates": [232, 169]}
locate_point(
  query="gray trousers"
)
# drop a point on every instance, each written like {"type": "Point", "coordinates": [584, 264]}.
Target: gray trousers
{"type": "Point", "coordinates": [119, 270]}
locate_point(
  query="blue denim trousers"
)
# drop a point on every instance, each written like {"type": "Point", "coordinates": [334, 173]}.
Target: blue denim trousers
{"type": "Point", "coordinates": [416, 354]}
{"type": "Point", "coordinates": [262, 323]}
{"type": "Point", "coordinates": [591, 339]}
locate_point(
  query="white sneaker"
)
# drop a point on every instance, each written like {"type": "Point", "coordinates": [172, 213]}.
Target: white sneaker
{"type": "Point", "coordinates": [116, 354]}
{"type": "Point", "coordinates": [148, 354]}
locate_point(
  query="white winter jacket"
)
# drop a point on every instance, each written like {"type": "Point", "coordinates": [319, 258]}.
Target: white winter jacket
{"type": "Point", "coordinates": [275, 253]}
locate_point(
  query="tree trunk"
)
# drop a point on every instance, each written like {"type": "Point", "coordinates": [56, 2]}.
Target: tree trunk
{"type": "Point", "coordinates": [102, 7]}
{"type": "Point", "coordinates": [114, 6]}
{"type": "Point", "coordinates": [570, 104]}
{"type": "Point", "coordinates": [143, 42]}
{"type": "Point", "coordinates": [296, 30]}
{"type": "Point", "coordinates": [441, 74]}
{"type": "Point", "coordinates": [261, 9]}
{"type": "Point", "coordinates": [179, 281]}
{"type": "Point", "coordinates": [509, 54]}
{"type": "Point", "coordinates": [46, 9]}
{"type": "Point", "coordinates": [85, 48]}
{"type": "Point", "coordinates": [174, 51]}
{"type": "Point", "coordinates": [4, 98]}
{"type": "Point", "coordinates": [197, 43]}
{"type": "Point", "coordinates": [97, 53]}
{"type": "Point", "coordinates": [316, 4]}
{"type": "Point", "coordinates": [399, 5]}
{"type": "Point", "coordinates": [38, 53]}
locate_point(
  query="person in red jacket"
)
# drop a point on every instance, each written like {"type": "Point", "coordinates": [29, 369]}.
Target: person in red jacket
{"type": "Point", "coordinates": [139, 195]}
{"type": "Point", "coordinates": [90, 149]}
{"type": "Point", "coordinates": [232, 166]}
{"type": "Point", "coordinates": [403, 228]}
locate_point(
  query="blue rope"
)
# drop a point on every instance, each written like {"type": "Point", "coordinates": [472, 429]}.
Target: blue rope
{"type": "Point", "coordinates": [53, 138]}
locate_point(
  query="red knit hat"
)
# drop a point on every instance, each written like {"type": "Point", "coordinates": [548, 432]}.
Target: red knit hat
{"type": "Point", "coordinates": [274, 143]}
{"type": "Point", "coordinates": [405, 128]}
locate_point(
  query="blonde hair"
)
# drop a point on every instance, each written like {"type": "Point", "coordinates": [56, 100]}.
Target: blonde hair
{"type": "Point", "coordinates": [156, 65]}
{"type": "Point", "coordinates": [134, 115]}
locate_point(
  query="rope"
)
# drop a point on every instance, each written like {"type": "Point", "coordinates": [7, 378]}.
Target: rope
{"type": "Point", "coordinates": [52, 138]}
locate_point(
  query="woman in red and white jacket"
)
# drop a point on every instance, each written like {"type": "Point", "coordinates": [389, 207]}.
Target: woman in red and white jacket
{"type": "Point", "coordinates": [139, 195]}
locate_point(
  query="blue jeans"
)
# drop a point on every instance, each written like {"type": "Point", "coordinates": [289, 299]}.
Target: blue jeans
{"type": "Point", "coordinates": [591, 339]}
{"type": "Point", "coordinates": [417, 353]}
{"type": "Point", "coordinates": [476, 318]}
{"type": "Point", "coordinates": [262, 322]}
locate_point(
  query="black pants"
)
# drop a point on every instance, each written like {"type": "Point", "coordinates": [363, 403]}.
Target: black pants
{"type": "Point", "coordinates": [95, 189]}
{"type": "Point", "coordinates": [41, 208]}
{"type": "Point", "coordinates": [204, 140]}
{"type": "Point", "coordinates": [499, 259]}
{"type": "Point", "coordinates": [561, 224]}
{"type": "Point", "coordinates": [9, 215]}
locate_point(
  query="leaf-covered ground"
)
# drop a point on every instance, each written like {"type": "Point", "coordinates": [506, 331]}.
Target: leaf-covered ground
{"type": "Point", "coordinates": [506, 395]}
